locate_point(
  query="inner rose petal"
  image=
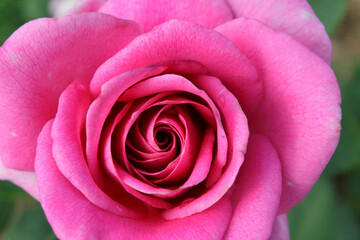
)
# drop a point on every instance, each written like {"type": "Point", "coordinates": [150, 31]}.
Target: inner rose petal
{"type": "Point", "coordinates": [162, 144]}
{"type": "Point", "coordinates": [102, 105]}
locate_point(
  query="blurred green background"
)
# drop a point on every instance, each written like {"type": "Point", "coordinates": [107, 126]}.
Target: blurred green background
{"type": "Point", "coordinates": [331, 210]}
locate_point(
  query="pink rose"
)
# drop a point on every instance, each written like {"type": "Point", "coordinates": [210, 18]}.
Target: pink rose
{"type": "Point", "coordinates": [211, 126]}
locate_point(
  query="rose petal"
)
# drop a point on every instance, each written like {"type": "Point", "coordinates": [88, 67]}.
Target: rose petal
{"type": "Point", "coordinates": [294, 17]}
{"type": "Point", "coordinates": [169, 82]}
{"type": "Point", "coordinates": [203, 161]}
{"type": "Point", "coordinates": [38, 62]}
{"type": "Point", "coordinates": [257, 192]}
{"type": "Point", "coordinates": [150, 13]}
{"type": "Point", "coordinates": [117, 172]}
{"type": "Point", "coordinates": [300, 112]}
{"type": "Point", "coordinates": [80, 218]}
{"type": "Point", "coordinates": [101, 106]}
{"type": "Point", "coordinates": [123, 127]}
{"type": "Point", "coordinates": [68, 135]}
{"type": "Point", "coordinates": [280, 229]}
{"type": "Point", "coordinates": [25, 180]}
{"type": "Point", "coordinates": [179, 40]}
{"type": "Point", "coordinates": [235, 124]}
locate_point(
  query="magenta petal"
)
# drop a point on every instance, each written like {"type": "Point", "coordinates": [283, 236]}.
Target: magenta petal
{"type": "Point", "coordinates": [300, 112]}
{"type": "Point", "coordinates": [80, 218]}
{"type": "Point", "coordinates": [294, 17]}
{"type": "Point", "coordinates": [150, 13]}
{"type": "Point", "coordinates": [38, 62]}
{"type": "Point", "coordinates": [100, 108]}
{"type": "Point", "coordinates": [203, 161]}
{"type": "Point", "coordinates": [189, 152]}
{"type": "Point", "coordinates": [257, 192]}
{"type": "Point", "coordinates": [179, 40]}
{"type": "Point", "coordinates": [236, 126]}
{"type": "Point", "coordinates": [68, 135]}
{"type": "Point", "coordinates": [233, 122]}
{"type": "Point", "coordinates": [124, 125]}
{"type": "Point", "coordinates": [280, 229]}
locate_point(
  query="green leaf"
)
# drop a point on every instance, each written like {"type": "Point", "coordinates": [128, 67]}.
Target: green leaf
{"type": "Point", "coordinates": [322, 216]}
{"type": "Point", "coordinates": [347, 155]}
{"type": "Point", "coordinates": [6, 209]}
{"type": "Point", "coordinates": [348, 186]}
{"type": "Point", "coordinates": [30, 225]}
{"type": "Point", "coordinates": [350, 92]}
{"type": "Point", "coordinates": [330, 12]}
{"type": "Point", "coordinates": [9, 192]}
{"type": "Point", "coordinates": [14, 13]}
{"type": "Point", "coordinates": [10, 18]}
{"type": "Point", "coordinates": [33, 9]}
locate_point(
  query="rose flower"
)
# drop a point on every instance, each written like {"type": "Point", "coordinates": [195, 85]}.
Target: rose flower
{"type": "Point", "coordinates": [154, 119]}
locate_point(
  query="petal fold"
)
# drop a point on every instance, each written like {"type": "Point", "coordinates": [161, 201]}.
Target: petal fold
{"type": "Point", "coordinates": [60, 198]}
{"type": "Point", "coordinates": [257, 192]}
{"type": "Point", "coordinates": [177, 41]}
{"type": "Point", "coordinates": [300, 109]}
{"type": "Point", "coordinates": [38, 62]}
{"type": "Point", "coordinates": [68, 136]}
{"type": "Point", "coordinates": [150, 13]}
{"type": "Point", "coordinates": [280, 229]}
{"type": "Point", "coordinates": [294, 17]}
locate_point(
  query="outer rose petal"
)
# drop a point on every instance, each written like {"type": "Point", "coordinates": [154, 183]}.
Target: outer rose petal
{"type": "Point", "coordinates": [72, 216]}
{"type": "Point", "coordinates": [37, 63]}
{"type": "Point", "coordinates": [68, 150]}
{"type": "Point", "coordinates": [300, 112]}
{"type": "Point", "coordinates": [176, 41]}
{"type": "Point", "coordinates": [25, 180]}
{"type": "Point", "coordinates": [280, 229]}
{"type": "Point", "coordinates": [257, 192]}
{"type": "Point", "coordinates": [150, 13]}
{"type": "Point", "coordinates": [295, 17]}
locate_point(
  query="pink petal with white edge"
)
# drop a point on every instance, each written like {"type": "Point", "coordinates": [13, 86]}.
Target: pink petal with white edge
{"type": "Point", "coordinates": [72, 216]}
{"type": "Point", "coordinates": [280, 229]}
{"type": "Point", "coordinates": [81, 6]}
{"type": "Point", "coordinates": [300, 112]}
{"type": "Point", "coordinates": [294, 17]}
{"type": "Point", "coordinates": [59, 8]}
{"type": "Point", "coordinates": [257, 192]}
{"type": "Point", "coordinates": [177, 41]}
{"type": "Point", "coordinates": [38, 62]}
{"type": "Point", "coordinates": [150, 13]}
{"type": "Point", "coordinates": [25, 180]}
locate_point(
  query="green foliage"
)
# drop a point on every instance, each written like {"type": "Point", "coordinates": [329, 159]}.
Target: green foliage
{"type": "Point", "coordinates": [34, 9]}
{"type": "Point", "coordinates": [21, 216]}
{"type": "Point", "coordinates": [31, 224]}
{"type": "Point", "coordinates": [14, 13]}
{"type": "Point", "coordinates": [10, 18]}
{"type": "Point", "coordinates": [6, 209]}
{"type": "Point", "coordinates": [347, 155]}
{"type": "Point", "coordinates": [10, 193]}
{"type": "Point", "coordinates": [329, 12]}
{"type": "Point", "coordinates": [322, 216]}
